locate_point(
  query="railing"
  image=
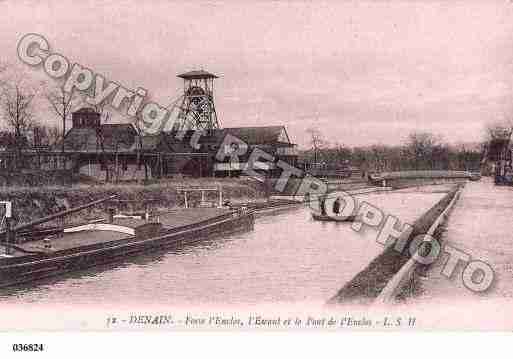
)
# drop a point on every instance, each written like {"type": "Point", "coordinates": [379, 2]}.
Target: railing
{"type": "Point", "coordinates": [420, 174]}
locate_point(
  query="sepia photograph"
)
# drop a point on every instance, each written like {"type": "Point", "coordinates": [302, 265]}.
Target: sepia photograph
{"type": "Point", "coordinates": [255, 166]}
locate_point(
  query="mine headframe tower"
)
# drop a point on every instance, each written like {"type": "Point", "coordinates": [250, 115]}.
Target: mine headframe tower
{"type": "Point", "coordinates": [197, 110]}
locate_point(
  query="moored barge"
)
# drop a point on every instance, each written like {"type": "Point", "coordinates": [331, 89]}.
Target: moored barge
{"type": "Point", "coordinates": [91, 244]}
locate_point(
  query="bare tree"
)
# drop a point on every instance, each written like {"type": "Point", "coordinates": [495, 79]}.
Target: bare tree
{"type": "Point", "coordinates": [380, 157]}
{"type": "Point", "coordinates": [3, 67]}
{"type": "Point", "coordinates": [498, 137]}
{"type": "Point", "coordinates": [140, 157]}
{"type": "Point", "coordinates": [53, 135]}
{"type": "Point", "coordinates": [105, 117]}
{"type": "Point", "coordinates": [62, 104]}
{"type": "Point", "coordinates": [421, 146]}
{"type": "Point", "coordinates": [317, 141]}
{"type": "Point", "coordinates": [498, 131]}
{"type": "Point", "coordinates": [16, 100]}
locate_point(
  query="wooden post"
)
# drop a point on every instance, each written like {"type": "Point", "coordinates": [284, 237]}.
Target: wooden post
{"type": "Point", "coordinates": [63, 224]}
{"type": "Point", "coordinates": [8, 235]}
{"type": "Point", "coordinates": [116, 171]}
{"type": "Point", "coordinates": [72, 165]}
{"type": "Point", "coordinates": [220, 196]}
{"type": "Point", "coordinates": [161, 164]}
{"type": "Point", "coordinates": [186, 204]}
{"type": "Point", "coordinates": [145, 170]}
{"type": "Point", "coordinates": [110, 215]}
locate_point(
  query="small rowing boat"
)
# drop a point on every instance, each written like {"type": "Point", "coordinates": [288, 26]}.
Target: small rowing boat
{"type": "Point", "coordinates": [335, 217]}
{"type": "Point", "coordinates": [324, 217]}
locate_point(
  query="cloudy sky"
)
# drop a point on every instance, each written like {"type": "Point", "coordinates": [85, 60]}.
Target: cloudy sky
{"type": "Point", "coordinates": [361, 72]}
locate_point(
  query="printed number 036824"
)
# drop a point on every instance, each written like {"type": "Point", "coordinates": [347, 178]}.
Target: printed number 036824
{"type": "Point", "coordinates": [27, 347]}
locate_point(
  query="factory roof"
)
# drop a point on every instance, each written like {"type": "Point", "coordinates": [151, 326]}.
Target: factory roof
{"type": "Point", "coordinates": [261, 135]}
{"type": "Point", "coordinates": [125, 138]}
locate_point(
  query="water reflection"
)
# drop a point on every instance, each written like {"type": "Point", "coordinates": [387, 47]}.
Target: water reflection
{"type": "Point", "coordinates": [288, 258]}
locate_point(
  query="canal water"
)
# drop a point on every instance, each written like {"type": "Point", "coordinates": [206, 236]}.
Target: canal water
{"type": "Point", "coordinates": [288, 258]}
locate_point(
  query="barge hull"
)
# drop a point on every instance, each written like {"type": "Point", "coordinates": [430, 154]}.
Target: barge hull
{"type": "Point", "coordinates": [27, 269]}
{"type": "Point", "coordinates": [327, 218]}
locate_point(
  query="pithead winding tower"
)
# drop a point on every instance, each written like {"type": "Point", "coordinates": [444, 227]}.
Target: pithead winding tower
{"type": "Point", "coordinates": [197, 110]}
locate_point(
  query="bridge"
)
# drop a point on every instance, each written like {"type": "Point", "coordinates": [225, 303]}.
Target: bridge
{"type": "Point", "coordinates": [406, 178]}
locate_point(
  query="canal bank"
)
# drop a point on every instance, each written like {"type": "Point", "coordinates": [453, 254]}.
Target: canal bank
{"type": "Point", "coordinates": [287, 259]}
{"type": "Point", "coordinates": [377, 276]}
{"type": "Point", "coordinates": [479, 226]}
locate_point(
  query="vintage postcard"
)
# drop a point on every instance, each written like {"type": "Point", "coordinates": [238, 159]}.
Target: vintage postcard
{"type": "Point", "coordinates": [255, 166]}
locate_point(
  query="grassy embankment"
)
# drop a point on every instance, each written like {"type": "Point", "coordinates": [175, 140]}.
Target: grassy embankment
{"type": "Point", "coordinates": [35, 202]}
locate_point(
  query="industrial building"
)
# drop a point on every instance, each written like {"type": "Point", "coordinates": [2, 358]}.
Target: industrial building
{"type": "Point", "coordinates": [118, 151]}
{"type": "Point", "coordinates": [107, 151]}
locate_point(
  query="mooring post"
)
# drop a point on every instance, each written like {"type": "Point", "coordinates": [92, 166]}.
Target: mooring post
{"type": "Point", "coordinates": [110, 215]}
{"type": "Point", "coordinates": [8, 234]}
{"type": "Point", "coordinates": [63, 224]}
{"type": "Point", "coordinates": [8, 229]}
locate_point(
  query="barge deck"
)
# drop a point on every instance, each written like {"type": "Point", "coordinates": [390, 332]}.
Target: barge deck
{"type": "Point", "coordinates": [101, 243]}
{"type": "Point", "coordinates": [170, 220]}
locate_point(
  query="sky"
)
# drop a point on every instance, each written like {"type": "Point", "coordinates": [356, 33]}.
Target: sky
{"type": "Point", "coordinates": [361, 72]}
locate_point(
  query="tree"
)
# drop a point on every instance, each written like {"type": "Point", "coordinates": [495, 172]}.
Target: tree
{"type": "Point", "coordinates": [499, 130]}
{"type": "Point", "coordinates": [140, 157]}
{"type": "Point", "coordinates": [62, 105]}
{"type": "Point", "coordinates": [16, 101]}
{"type": "Point", "coordinates": [110, 145]}
{"type": "Point", "coordinates": [317, 141]}
{"type": "Point", "coordinates": [498, 137]}
{"type": "Point", "coordinates": [343, 153]}
{"type": "Point", "coordinates": [421, 147]}
{"type": "Point", "coordinates": [380, 157]}
{"type": "Point", "coordinates": [359, 159]}
{"type": "Point", "coordinates": [102, 140]}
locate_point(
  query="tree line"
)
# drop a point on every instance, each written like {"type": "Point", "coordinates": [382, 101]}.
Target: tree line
{"type": "Point", "coordinates": [24, 102]}
{"type": "Point", "coordinates": [420, 151]}
{"type": "Point", "coordinates": [20, 126]}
